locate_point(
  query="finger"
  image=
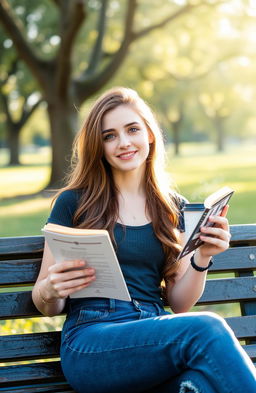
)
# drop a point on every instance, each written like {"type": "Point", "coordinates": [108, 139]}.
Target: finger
{"type": "Point", "coordinates": [220, 220]}
{"type": "Point", "coordinates": [66, 292]}
{"type": "Point", "coordinates": [63, 266]}
{"type": "Point", "coordinates": [224, 211]}
{"type": "Point", "coordinates": [68, 285]}
{"type": "Point", "coordinates": [219, 243]}
{"type": "Point", "coordinates": [216, 232]}
{"type": "Point", "coordinates": [67, 265]}
{"type": "Point", "coordinates": [71, 275]}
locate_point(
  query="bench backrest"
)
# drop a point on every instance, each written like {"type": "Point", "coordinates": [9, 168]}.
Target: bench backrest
{"type": "Point", "coordinates": [20, 260]}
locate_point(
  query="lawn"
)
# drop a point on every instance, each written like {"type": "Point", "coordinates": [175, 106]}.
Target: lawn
{"type": "Point", "coordinates": [196, 173]}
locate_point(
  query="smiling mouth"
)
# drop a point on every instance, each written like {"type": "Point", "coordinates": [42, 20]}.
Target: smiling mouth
{"type": "Point", "coordinates": [126, 156]}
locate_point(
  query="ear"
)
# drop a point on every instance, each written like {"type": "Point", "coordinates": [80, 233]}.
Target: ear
{"type": "Point", "coordinates": [150, 137]}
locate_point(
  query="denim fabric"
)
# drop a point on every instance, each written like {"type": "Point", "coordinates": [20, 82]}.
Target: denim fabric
{"type": "Point", "coordinates": [111, 346]}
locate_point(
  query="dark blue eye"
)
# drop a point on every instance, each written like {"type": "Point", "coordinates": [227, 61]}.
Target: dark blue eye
{"type": "Point", "coordinates": [108, 137]}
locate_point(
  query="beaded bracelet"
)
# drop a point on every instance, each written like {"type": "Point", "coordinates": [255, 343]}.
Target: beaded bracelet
{"type": "Point", "coordinates": [200, 268]}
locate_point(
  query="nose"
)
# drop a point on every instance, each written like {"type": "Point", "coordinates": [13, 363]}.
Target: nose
{"type": "Point", "coordinates": [124, 140]}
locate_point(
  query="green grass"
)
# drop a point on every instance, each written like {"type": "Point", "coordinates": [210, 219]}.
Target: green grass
{"type": "Point", "coordinates": [197, 172]}
{"type": "Point", "coordinates": [200, 171]}
{"type": "Point", "coordinates": [27, 216]}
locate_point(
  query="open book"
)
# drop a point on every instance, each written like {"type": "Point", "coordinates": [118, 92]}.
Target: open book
{"type": "Point", "coordinates": [212, 205]}
{"type": "Point", "coordinates": [93, 246]}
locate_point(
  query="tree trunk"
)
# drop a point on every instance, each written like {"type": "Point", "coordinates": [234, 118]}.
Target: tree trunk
{"type": "Point", "coordinates": [13, 141]}
{"type": "Point", "coordinates": [176, 132]}
{"type": "Point", "coordinates": [220, 134]}
{"type": "Point", "coordinates": [63, 125]}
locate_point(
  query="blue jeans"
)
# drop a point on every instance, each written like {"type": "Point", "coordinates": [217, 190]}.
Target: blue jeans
{"type": "Point", "coordinates": [112, 346]}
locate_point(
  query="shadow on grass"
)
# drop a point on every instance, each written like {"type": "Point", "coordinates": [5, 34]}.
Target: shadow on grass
{"type": "Point", "coordinates": [45, 193]}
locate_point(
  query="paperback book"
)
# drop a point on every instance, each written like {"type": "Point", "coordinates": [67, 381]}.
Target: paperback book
{"type": "Point", "coordinates": [96, 249]}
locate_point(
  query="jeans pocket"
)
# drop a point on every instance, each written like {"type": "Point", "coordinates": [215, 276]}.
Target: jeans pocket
{"type": "Point", "coordinates": [89, 314]}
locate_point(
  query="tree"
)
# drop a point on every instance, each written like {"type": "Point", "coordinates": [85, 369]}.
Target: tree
{"type": "Point", "coordinates": [66, 86]}
{"type": "Point", "coordinates": [168, 75]}
{"type": "Point", "coordinates": [14, 122]}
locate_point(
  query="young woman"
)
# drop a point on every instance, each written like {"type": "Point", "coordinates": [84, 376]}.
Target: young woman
{"type": "Point", "coordinates": [117, 183]}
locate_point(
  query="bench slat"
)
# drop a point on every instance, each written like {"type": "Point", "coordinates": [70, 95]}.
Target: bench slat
{"type": "Point", "coordinates": [243, 327]}
{"type": "Point", "coordinates": [19, 272]}
{"type": "Point", "coordinates": [17, 304]}
{"type": "Point", "coordinates": [45, 372]}
{"type": "Point", "coordinates": [19, 347]}
{"type": "Point", "coordinates": [45, 345]}
{"type": "Point", "coordinates": [243, 233]}
{"type": "Point", "coordinates": [25, 272]}
{"type": "Point", "coordinates": [235, 260]}
{"type": "Point", "coordinates": [228, 290]}
{"type": "Point", "coordinates": [251, 351]}
{"type": "Point", "coordinates": [51, 371]}
{"type": "Point", "coordinates": [12, 247]}
{"type": "Point", "coordinates": [34, 244]}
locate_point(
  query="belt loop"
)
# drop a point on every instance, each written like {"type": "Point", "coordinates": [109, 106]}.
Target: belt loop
{"type": "Point", "coordinates": [159, 309]}
{"type": "Point", "coordinates": [112, 305]}
{"type": "Point", "coordinates": [136, 304]}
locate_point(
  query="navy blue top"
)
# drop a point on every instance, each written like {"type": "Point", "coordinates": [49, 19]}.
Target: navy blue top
{"type": "Point", "coordinates": [139, 251]}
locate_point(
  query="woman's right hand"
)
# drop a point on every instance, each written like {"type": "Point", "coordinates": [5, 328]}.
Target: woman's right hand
{"type": "Point", "coordinates": [65, 278]}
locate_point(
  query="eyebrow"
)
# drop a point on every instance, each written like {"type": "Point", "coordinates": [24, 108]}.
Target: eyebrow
{"type": "Point", "coordinates": [126, 125]}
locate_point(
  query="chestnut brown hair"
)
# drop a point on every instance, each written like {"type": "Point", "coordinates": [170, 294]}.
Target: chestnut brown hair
{"type": "Point", "coordinates": [92, 176]}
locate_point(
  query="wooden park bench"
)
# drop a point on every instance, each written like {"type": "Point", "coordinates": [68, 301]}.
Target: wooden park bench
{"type": "Point", "coordinates": [20, 259]}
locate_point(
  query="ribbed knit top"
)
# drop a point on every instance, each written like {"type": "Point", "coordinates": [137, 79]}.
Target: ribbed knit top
{"type": "Point", "coordinates": [139, 251]}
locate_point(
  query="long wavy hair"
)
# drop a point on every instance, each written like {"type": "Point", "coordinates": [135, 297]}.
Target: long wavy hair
{"type": "Point", "coordinates": [91, 175]}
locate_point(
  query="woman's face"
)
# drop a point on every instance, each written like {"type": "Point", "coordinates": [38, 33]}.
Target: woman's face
{"type": "Point", "coordinates": [125, 139]}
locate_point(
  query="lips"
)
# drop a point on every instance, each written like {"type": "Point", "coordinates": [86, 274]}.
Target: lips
{"type": "Point", "coordinates": [127, 155]}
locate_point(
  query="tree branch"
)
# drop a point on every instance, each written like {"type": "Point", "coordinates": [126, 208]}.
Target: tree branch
{"type": "Point", "coordinates": [163, 22]}
{"type": "Point", "coordinates": [85, 87]}
{"type": "Point", "coordinates": [72, 15]}
{"type": "Point", "coordinates": [15, 30]}
{"type": "Point", "coordinates": [27, 113]}
{"type": "Point", "coordinates": [97, 50]}
{"type": "Point", "coordinates": [173, 16]}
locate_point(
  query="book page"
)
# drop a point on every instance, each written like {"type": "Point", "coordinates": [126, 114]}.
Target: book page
{"type": "Point", "coordinates": [98, 253]}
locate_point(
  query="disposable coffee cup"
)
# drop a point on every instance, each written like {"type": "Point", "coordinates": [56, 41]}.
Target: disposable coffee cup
{"type": "Point", "coordinates": [192, 214]}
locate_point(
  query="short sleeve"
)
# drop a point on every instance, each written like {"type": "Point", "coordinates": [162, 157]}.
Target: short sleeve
{"type": "Point", "coordinates": [64, 208]}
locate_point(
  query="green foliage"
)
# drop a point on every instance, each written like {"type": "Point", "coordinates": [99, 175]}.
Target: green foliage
{"type": "Point", "coordinates": [31, 325]}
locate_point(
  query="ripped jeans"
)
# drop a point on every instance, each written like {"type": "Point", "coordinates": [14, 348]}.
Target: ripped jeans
{"type": "Point", "coordinates": [112, 346]}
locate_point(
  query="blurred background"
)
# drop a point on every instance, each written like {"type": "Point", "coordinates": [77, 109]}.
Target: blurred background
{"type": "Point", "coordinates": [193, 61]}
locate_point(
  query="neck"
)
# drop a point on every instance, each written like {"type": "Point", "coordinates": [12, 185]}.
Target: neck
{"type": "Point", "coordinates": [131, 199]}
{"type": "Point", "coordinates": [130, 183]}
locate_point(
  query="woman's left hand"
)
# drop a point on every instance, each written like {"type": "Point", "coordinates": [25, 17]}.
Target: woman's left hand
{"type": "Point", "coordinates": [216, 239]}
